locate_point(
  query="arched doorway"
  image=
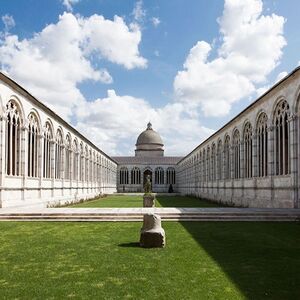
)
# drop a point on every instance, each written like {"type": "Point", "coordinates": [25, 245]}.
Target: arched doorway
{"type": "Point", "coordinates": [146, 173]}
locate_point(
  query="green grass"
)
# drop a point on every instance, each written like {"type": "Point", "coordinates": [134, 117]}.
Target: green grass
{"type": "Point", "coordinates": [137, 201]}
{"type": "Point", "coordinates": [202, 260]}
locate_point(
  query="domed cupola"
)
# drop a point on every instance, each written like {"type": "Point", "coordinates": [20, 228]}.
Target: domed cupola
{"type": "Point", "coordinates": [149, 143]}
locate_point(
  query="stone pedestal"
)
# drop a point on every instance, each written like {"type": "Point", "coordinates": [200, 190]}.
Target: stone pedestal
{"type": "Point", "coordinates": [152, 234]}
{"type": "Point", "coordinates": [149, 200]}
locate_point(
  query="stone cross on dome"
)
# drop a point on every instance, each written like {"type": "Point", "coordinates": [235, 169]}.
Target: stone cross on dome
{"type": "Point", "coordinates": [149, 126]}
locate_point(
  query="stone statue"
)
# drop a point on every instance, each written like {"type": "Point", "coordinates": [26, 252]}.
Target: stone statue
{"type": "Point", "coordinates": [147, 187]}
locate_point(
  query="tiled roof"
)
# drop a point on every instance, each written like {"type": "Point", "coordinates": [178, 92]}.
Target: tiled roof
{"type": "Point", "coordinates": [137, 160]}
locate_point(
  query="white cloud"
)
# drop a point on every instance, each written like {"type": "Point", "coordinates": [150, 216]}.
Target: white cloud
{"type": "Point", "coordinates": [155, 21]}
{"type": "Point", "coordinates": [114, 40]}
{"type": "Point", "coordinates": [281, 75]}
{"type": "Point", "coordinates": [69, 4]}
{"type": "Point", "coordinates": [251, 48]}
{"type": "Point", "coordinates": [8, 21]}
{"type": "Point", "coordinates": [261, 90]}
{"type": "Point", "coordinates": [59, 57]}
{"type": "Point", "coordinates": [139, 12]}
{"type": "Point", "coordinates": [114, 123]}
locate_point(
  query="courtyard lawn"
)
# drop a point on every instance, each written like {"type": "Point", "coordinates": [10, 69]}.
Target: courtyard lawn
{"type": "Point", "coordinates": [202, 260]}
{"type": "Point", "coordinates": [137, 201]}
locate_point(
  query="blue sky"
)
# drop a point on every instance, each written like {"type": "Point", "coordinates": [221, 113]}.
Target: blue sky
{"type": "Point", "coordinates": [150, 80]}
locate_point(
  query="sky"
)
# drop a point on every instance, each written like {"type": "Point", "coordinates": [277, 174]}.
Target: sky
{"type": "Point", "coordinates": [109, 67]}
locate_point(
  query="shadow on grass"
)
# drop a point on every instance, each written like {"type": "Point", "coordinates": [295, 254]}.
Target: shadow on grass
{"type": "Point", "coordinates": [262, 259]}
{"type": "Point", "coordinates": [130, 245]}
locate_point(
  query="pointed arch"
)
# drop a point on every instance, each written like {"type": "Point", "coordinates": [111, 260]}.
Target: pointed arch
{"type": "Point", "coordinates": [59, 147]}
{"type": "Point", "coordinates": [14, 123]}
{"type": "Point", "coordinates": [171, 176]}
{"type": "Point", "coordinates": [219, 160]}
{"type": "Point", "coordinates": [236, 145]}
{"type": "Point", "coordinates": [282, 138]}
{"type": "Point", "coordinates": [247, 139]}
{"type": "Point", "coordinates": [262, 144]}
{"type": "Point", "coordinates": [227, 160]}
{"type": "Point", "coordinates": [48, 150]}
{"type": "Point", "coordinates": [124, 176]}
{"type": "Point", "coordinates": [33, 145]}
{"type": "Point", "coordinates": [159, 175]}
{"type": "Point", "coordinates": [135, 175]}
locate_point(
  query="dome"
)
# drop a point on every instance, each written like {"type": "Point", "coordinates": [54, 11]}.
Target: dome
{"type": "Point", "coordinates": [149, 136]}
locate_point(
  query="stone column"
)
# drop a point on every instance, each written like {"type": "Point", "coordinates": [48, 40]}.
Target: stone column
{"type": "Point", "coordinates": [2, 157]}
{"type": "Point", "coordinates": [52, 166]}
{"type": "Point", "coordinates": [129, 178]}
{"type": "Point", "coordinates": [24, 155]}
{"type": "Point", "coordinates": [231, 173]}
{"type": "Point", "coordinates": [40, 162]}
{"type": "Point", "coordinates": [62, 169]}
{"type": "Point", "coordinates": [223, 171]}
{"type": "Point", "coordinates": [242, 160]}
{"type": "Point", "coordinates": [271, 154]}
{"type": "Point", "coordinates": [293, 162]}
{"type": "Point", "coordinates": [254, 156]}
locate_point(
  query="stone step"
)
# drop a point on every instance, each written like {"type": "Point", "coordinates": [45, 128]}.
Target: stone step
{"type": "Point", "coordinates": [139, 217]}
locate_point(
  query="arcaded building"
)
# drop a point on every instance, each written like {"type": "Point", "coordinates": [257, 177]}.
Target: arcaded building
{"type": "Point", "coordinates": [44, 161]}
{"type": "Point", "coordinates": [149, 160]}
{"type": "Point", "coordinates": [252, 161]}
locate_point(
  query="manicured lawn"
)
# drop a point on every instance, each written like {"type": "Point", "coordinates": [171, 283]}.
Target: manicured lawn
{"type": "Point", "coordinates": [202, 260]}
{"type": "Point", "coordinates": [137, 201]}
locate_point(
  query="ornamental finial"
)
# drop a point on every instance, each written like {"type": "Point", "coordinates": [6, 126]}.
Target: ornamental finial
{"type": "Point", "coordinates": [149, 126]}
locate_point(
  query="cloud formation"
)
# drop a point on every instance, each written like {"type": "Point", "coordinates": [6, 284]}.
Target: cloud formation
{"type": "Point", "coordinates": [69, 4]}
{"type": "Point", "coordinates": [69, 52]}
{"type": "Point", "coordinates": [251, 47]}
{"type": "Point", "coordinates": [60, 57]}
{"type": "Point", "coordinates": [8, 22]}
{"type": "Point", "coordinates": [139, 13]}
{"type": "Point", "coordinates": [155, 21]}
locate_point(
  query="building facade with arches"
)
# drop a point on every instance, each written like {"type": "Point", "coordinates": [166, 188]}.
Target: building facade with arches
{"type": "Point", "coordinates": [252, 161]}
{"type": "Point", "coordinates": [44, 161]}
{"type": "Point", "coordinates": [149, 160]}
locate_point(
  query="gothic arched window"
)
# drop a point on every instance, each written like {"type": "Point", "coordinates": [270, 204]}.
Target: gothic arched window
{"type": "Point", "coordinates": [248, 150]}
{"type": "Point", "coordinates": [171, 177]}
{"type": "Point", "coordinates": [262, 145]}
{"type": "Point", "coordinates": [75, 160]}
{"type": "Point", "coordinates": [219, 160]}
{"type": "Point", "coordinates": [33, 146]}
{"type": "Point", "coordinates": [135, 176]}
{"type": "Point", "coordinates": [236, 145]}
{"type": "Point", "coordinates": [227, 157]}
{"type": "Point", "coordinates": [282, 132]}
{"type": "Point", "coordinates": [213, 162]}
{"type": "Point", "coordinates": [47, 157]}
{"type": "Point", "coordinates": [124, 175]}
{"type": "Point", "coordinates": [204, 166]}
{"type": "Point", "coordinates": [59, 146]}
{"type": "Point", "coordinates": [68, 156]}
{"type": "Point", "coordinates": [159, 175]}
{"type": "Point", "coordinates": [81, 163]}
{"type": "Point", "coordinates": [208, 172]}
{"type": "Point", "coordinates": [86, 171]}
{"type": "Point", "coordinates": [13, 139]}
